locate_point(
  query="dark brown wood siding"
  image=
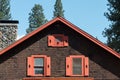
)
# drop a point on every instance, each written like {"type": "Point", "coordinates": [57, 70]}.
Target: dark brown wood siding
{"type": "Point", "coordinates": [103, 65]}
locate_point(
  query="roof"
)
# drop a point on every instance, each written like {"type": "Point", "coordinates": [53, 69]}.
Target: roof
{"type": "Point", "coordinates": [69, 24]}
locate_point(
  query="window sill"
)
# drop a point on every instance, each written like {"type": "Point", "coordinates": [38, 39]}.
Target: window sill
{"type": "Point", "coordinates": [58, 78]}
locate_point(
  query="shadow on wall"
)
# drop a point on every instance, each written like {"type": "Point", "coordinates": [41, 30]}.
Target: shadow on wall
{"type": "Point", "coordinates": [108, 65]}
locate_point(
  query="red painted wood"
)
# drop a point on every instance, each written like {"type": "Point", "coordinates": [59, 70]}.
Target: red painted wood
{"type": "Point", "coordinates": [58, 43]}
{"type": "Point", "coordinates": [51, 40]}
{"type": "Point", "coordinates": [59, 78]}
{"type": "Point", "coordinates": [81, 57]}
{"type": "Point", "coordinates": [48, 66]}
{"type": "Point", "coordinates": [86, 66]}
{"type": "Point", "coordinates": [66, 41]}
{"type": "Point", "coordinates": [68, 66]}
{"type": "Point", "coordinates": [30, 68]}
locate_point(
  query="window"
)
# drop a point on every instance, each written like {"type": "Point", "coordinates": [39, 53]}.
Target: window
{"type": "Point", "coordinates": [38, 65]}
{"type": "Point", "coordinates": [77, 65]}
{"type": "Point", "coordinates": [57, 40]}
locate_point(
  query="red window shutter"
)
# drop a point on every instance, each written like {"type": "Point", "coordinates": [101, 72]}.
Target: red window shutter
{"type": "Point", "coordinates": [68, 66]}
{"type": "Point", "coordinates": [59, 40]}
{"type": "Point", "coordinates": [65, 40]}
{"type": "Point", "coordinates": [30, 68]}
{"type": "Point", "coordinates": [48, 66]}
{"type": "Point", "coordinates": [51, 40]}
{"type": "Point", "coordinates": [86, 66]}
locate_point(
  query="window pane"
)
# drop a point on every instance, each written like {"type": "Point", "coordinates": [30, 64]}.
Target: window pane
{"type": "Point", "coordinates": [59, 38]}
{"type": "Point", "coordinates": [77, 66]}
{"type": "Point", "coordinates": [38, 62]}
{"type": "Point", "coordinates": [39, 70]}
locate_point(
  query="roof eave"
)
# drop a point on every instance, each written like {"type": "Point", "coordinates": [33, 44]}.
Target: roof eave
{"type": "Point", "coordinates": [91, 38]}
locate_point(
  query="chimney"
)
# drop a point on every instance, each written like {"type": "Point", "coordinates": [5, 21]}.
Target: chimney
{"type": "Point", "coordinates": [8, 32]}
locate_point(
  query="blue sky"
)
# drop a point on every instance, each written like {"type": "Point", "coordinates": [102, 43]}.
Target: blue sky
{"type": "Point", "coordinates": [86, 14]}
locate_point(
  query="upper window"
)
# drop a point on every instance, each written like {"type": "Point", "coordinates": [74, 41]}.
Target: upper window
{"type": "Point", "coordinates": [38, 65]}
{"type": "Point", "coordinates": [77, 65]}
{"type": "Point", "coordinates": [57, 40]}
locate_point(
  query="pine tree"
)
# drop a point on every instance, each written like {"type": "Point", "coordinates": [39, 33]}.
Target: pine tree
{"type": "Point", "coordinates": [5, 10]}
{"type": "Point", "coordinates": [113, 32]}
{"type": "Point", "coordinates": [36, 18]}
{"type": "Point", "coordinates": [58, 9]}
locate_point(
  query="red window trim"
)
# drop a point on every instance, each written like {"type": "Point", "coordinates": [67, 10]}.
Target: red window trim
{"type": "Point", "coordinates": [52, 40]}
{"type": "Point", "coordinates": [85, 65]}
{"type": "Point", "coordinates": [30, 66]}
{"type": "Point", "coordinates": [82, 57]}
